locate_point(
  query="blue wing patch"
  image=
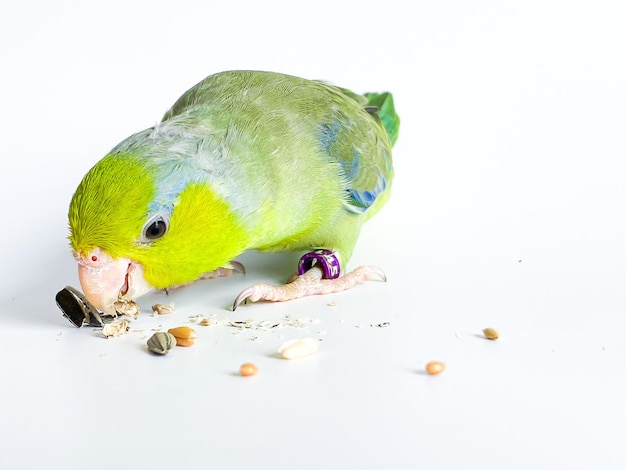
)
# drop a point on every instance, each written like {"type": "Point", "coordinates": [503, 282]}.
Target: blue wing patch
{"type": "Point", "coordinates": [358, 200]}
{"type": "Point", "coordinates": [328, 135]}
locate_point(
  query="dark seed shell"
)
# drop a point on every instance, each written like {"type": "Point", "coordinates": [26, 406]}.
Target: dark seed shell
{"type": "Point", "coordinates": [77, 309]}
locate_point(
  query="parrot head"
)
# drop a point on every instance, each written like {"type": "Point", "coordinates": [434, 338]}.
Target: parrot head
{"type": "Point", "coordinates": [135, 227]}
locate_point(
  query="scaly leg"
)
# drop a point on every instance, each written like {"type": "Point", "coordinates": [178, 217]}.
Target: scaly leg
{"type": "Point", "coordinates": [309, 283]}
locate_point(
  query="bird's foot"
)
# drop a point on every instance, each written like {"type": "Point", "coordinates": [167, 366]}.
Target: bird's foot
{"type": "Point", "coordinates": [309, 283]}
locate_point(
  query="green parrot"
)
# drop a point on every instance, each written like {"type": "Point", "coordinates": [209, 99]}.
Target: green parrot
{"type": "Point", "coordinates": [244, 160]}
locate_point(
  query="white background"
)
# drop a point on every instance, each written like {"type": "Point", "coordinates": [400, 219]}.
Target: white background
{"type": "Point", "coordinates": [507, 211]}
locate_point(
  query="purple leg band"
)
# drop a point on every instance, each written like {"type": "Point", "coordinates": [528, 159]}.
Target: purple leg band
{"type": "Point", "coordinates": [325, 259]}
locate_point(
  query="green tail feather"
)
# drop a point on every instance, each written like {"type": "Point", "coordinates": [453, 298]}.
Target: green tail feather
{"type": "Point", "coordinates": [383, 102]}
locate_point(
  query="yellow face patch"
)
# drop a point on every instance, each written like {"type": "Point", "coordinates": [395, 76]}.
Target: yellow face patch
{"type": "Point", "coordinates": [203, 235]}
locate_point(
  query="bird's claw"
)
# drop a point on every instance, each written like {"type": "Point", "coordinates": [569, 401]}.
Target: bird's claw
{"type": "Point", "coordinates": [376, 272]}
{"type": "Point", "coordinates": [244, 296]}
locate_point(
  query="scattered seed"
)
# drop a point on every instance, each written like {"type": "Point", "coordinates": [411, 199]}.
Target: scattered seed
{"type": "Point", "coordinates": [384, 324]}
{"type": "Point", "coordinates": [300, 322]}
{"type": "Point", "coordinates": [248, 369]}
{"type": "Point", "coordinates": [213, 320]}
{"type": "Point", "coordinates": [115, 328]}
{"type": "Point", "coordinates": [128, 308]}
{"type": "Point", "coordinates": [435, 367]}
{"type": "Point", "coordinates": [297, 348]}
{"type": "Point", "coordinates": [184, 335]}
{"type": "Point", "coordinates": [490, 333]}
{"type": "Point", "coordinates": [161, 309]}
{"type": "Point", "coordinates": [161, 342]}
{"type": "Point", "coordinates": [267, 325]}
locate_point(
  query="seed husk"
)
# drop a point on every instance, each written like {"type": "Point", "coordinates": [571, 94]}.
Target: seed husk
{"type": "Point", "coordinates": [491, 333]}
{"type": "Point", "coordinates": [435, 367]}
{"type": "Point", "coordinates": [161, 342]}
{"type": "Point", "coordinates": [77, 309]}
{"type": "Point", "coordinates": [184, 335]}
{"type": "Point", "coordinates": [128, 308]}
{"type": "Point", "coordinates": [115, 328]}
{"type": "Point", "coordinates": [161, 309]}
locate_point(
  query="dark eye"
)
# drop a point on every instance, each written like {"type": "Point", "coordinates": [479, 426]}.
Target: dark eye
{"type": "Point", "coordinates": [155, 229]}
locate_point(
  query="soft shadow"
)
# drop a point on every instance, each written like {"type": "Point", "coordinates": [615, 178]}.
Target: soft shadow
{"type": "Point", "coordinates": [39, 308]}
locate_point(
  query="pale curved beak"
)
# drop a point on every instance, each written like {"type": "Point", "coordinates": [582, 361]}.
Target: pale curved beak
{"type": "Point", "coordinates": [105, 280]}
